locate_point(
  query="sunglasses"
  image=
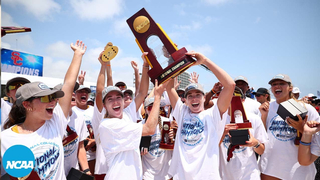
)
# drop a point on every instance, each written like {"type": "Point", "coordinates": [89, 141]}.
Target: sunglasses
{"type": "Point", "coordinates": [181, 95]}
{"type": "Point", "coordinates": [122, 87]}
{"type": "Point", "coordinates": [16, 86]}
{"type": "Point", "coordinates": [46, 99]}
{"type": "Point", "coordinates": [257, 95]}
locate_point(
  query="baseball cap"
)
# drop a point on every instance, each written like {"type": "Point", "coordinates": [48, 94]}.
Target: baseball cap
{"type": "Point", "coordinates": [295, 90]}
{"type": "Point", "coordinates": [59, 87]}
{"type": "Point", "coordinates": [120, 83]}
{"type": "Point", "coordinates": [149, 100]}
{"type": "Point", "coordinates": [312, 96]}
{"type": "Point", "coordinates": [261, 91]}
{"type": "Point", "coordinates": [128, 91]}
{"type": "Point", "coordinates": [16, 79]}
{"type": "Point", "coordinates": [241, 78]}
{"type": "Point", "coordinates": [180, 90]}
{"type": "Point", "coordinates": [35, 89]}
{"type": "Point", "coordinates": [193, 86]}
{"type": "Point", "coordinates": [282, 77]}
{"type": "Point", "coordinates": [109, 89]}
{"type": "Point", "coordinates": [83, 87]}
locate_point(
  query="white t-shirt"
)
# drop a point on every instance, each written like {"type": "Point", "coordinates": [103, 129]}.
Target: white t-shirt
{"type": "Point", "coordinates": [155, 164]}
{"type": "Point", "coordinates": [87, 113]}
{"type": "Point", "coordinates": [243, 164]}
{"type": "Point", "coordinates": [120, 141]}
{"type": "Point", "coordinates": [5, 110]}
{"type": "Point", "coordinates": [76, 124]}
{"type": "Point", "coordinates": [280, 158]}
{"type": "Point", "coordinates": [101, 164]}
{"type": "Point", "coordinates": [251, 106]}
{"type": "Point", "coordinates": [45, 143]}
{"type": "Point", "coordinates": [196, 149]}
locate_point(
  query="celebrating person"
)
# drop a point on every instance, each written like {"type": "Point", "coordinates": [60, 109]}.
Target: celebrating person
{"type": "Point", "coordinates": [196, 152]}
{"type": "Point", "coordinates": [279, 161]}
{"type": "Point", "coordinates": [38, 122]}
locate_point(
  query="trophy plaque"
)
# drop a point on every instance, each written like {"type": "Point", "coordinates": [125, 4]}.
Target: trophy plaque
{"type": "Point", "coordinates": [71, 136]}
{"type": "Point", "coordinates": [165, 59]}
{"type": "Point", "coordinates": [166, 142]}
{"type": "Point", "coordinates": [238, 116]}
{"type": "Point", "coordinates": [14, 29]}
{"type": "Point", "coordinates": [110, 51]}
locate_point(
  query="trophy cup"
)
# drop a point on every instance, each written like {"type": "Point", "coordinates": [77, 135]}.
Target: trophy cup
{"type": "Point", "coordinates": [238, 116]}
{"type": "Point", "coordinates": [71, 136]}
{"type": "Point", "coordinates": [166, 142]}
{"type": "Point", "coordinates": [164, 58]}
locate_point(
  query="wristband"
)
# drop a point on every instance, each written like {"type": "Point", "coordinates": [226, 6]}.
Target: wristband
{"type": "Point", "coordinates": [146, 67]}
{"type": "Point", "coordinates": [108, 65]}
{"type": "Point", "coordinates": [256, 146]}
{"type": "Point", "coordinates": [86, 170]}
{"type": "Point", "coordinates": [212, 91]}
{"type": "Point", "coordinates": [304, 143]}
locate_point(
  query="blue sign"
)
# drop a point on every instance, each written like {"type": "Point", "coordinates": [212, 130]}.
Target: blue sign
{"type": "Point", "coordinates": [21, 63]}
{"type": "Point", "coordinates": [18, 161]}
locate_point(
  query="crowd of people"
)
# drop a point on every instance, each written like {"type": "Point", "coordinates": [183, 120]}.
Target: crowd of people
{"type": "Point", "coordinates": [101, 137]}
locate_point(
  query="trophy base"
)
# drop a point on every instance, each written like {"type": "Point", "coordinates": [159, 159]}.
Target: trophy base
{"type": "Point", "coordinates": [181, 63]}
{"type": "Point", "coordinates": [239, 137]}
{"type": "Point", "coordinates": [166, 146]}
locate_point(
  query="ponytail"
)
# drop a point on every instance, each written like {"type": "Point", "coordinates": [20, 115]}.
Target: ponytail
{"type": "Point", "coordinates": [17, 115]}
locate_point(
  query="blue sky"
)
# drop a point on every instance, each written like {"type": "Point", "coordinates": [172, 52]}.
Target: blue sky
{"type": "Point", "coordinates": [254, 38]}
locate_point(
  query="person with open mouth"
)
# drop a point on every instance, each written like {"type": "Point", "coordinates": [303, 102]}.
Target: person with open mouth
{"type": "Point", "coordinates": [280, 159]}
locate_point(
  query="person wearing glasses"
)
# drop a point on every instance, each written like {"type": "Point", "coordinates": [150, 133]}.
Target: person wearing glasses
{"type": "Point", "coordinates": [155, 161]}
{"type": "Point", "coordinates": [11, 89]}
{"type": "Point", "coordinates": [262, 95]}
{"type": "Point", "coordinates": [280, 158]}
{"type": "Point", "coordinates": [38, 120]}
{"type": "Point", "coordinates": [196, 148]}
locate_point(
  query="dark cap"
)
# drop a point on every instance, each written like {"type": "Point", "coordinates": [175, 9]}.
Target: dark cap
{"type": "Point", "coordinates": [128, 91]}
{"type": "Point", "coordinates": [261, 91]}
{"type": "Point", "coordinates": [120, 83]}
{"type": "Point", "coordinates": [35, 89]}
{"type": "Point", "coordinates": [282, 77]}
{"type": "Point", "coordinates": [16, 79]}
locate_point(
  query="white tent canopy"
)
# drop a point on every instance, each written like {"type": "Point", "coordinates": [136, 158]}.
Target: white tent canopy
{"type": "Point", "coordinates": [51, 82]}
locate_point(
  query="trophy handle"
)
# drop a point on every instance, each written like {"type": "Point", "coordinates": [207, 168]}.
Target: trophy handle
{"type": "Point", "coordinates": [110, 52]}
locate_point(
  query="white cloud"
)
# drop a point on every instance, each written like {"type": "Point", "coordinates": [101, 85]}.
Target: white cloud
{"type": "Point", "coordinates": [180, 8]}
{"type": "Point", "coordinates": [121, 28]}
{"type": "Point", "coordinates": [41, 9]}
{"type": "Point", "coordinates": [215, 2]}
{"type": "Point", "coordinates": [96, 9]}
{"type": "Point", "coordinates": [7, 20]}
{"type": "Point", "coordinates": [205, 49]}
{"type": "Point", "coordinates": [18, 41]}
{"type": "Point", "coordinates": [59, 49]}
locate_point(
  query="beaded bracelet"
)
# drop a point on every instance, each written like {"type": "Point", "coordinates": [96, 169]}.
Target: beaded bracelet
{"type": "Point", "coordinates": [304, 143]}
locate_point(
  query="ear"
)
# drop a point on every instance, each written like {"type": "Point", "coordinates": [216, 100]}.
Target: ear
{"type": "Point", "coordinates": [26, 104]}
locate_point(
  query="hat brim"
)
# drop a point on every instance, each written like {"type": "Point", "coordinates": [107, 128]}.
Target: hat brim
{"type": "Point", "coordinates": [186, 92]}
{"type": "Point", "coordinates": [16, 79]}
{"type": "Point", "coordinates": [58, 93]}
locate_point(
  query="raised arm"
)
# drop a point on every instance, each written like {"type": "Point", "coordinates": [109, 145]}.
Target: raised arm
{"type": "Point", "coordinates": [149, 127]}
{"type": "Point", "coordinates": [101, 82]}
{"type": "Point", "coordinates": [71, 76]}
{"type": "Point", "coordinates": [136, 76]}
{"type": "Point", "coordinates": [144, 85]}
{"type": "Point", "coordinates": [223, 77]}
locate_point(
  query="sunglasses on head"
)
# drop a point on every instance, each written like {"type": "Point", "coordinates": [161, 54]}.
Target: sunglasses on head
{"type": "Point", "coordinates": [46, 99]}
{"type": "Point", "coordinates": [122, 87]}
{"type": "Point", "coordinates": [16, 86]}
